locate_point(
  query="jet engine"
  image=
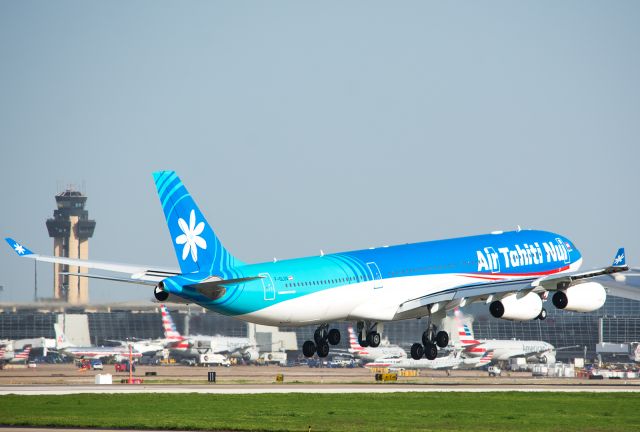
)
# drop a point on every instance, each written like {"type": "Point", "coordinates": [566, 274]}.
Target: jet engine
{"type": "Point", "coordinates": [548, 358]}
{"type": "Point", "coordinates": [584, 297]}
{"type": "Point", "coordinates": [250, 355]}
{"type": "Point", "coordinates": [165, 297]}
{"type": "Point", "coordinates": [517, 309]}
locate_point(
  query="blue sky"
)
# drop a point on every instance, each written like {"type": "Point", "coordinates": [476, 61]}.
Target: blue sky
{"type": "Point", "coordinates": [301, 126]}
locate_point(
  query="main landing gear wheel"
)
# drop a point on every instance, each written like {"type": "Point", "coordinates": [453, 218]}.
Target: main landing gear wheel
{"type": "Point", "coordinates": [442, 339]}
{"type": "Point", "coordinates": [543, 315]}
{"type": "Point", "coordinates": [362, 342]}
{"type": "Point", "coordinates": [417, 351]}
{"type": "Point", "coordinates": [373, 339]}
{"type": "Point", "coordinates": [334, 336]}
{"type": "Point", "coordinates": [319, 335]}
{"type": "Point", "coordinates": [427, 337]}
{"type": "Point", "coordinates": [308, 349]}
{"type": "Point", "coordinates": [430, 351]}
{"type": "Point", "coordinates": [322, 338]}
{"type": "Point", "coordinates": [323, 349]}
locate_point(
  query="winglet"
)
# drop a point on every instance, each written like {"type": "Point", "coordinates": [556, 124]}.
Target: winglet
{"type": "Point", "coordinates": [17, 247]}
{"type": "Point", "coordinates": [620, 260]}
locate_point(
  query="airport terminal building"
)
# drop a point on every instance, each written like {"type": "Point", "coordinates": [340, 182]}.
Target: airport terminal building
{"type": "Point", "coordinates": [617, 322]}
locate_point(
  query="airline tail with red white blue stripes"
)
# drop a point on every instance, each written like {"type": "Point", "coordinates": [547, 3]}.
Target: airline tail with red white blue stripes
{"type": "Point", "coordinates": [486, 358]}
{"type": "Point", "coordinates": [24, 354]}
{"type": "Point", "coordinates": [465, 332]}
{"type": "Point", "coordinates": [354, 346]}
{"type": "Point", "coordinates": [171, 334]}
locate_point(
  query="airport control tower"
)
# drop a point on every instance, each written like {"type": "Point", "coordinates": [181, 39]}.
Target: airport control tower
{"type": "Point", "coordinates": [71, 229]}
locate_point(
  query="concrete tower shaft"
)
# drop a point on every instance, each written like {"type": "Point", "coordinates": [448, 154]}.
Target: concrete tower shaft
{"type": "Point", "coordinates": [71, 229]}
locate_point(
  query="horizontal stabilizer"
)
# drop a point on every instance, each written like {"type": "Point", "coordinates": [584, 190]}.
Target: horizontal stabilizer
{"type": "Point", "coordinates": [214, 288]}
{"type": "Point", "coordinates": [109, 278]}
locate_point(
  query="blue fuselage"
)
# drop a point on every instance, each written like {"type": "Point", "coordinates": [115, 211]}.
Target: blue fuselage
{"type": "Point", "coordinates": [489, 257]}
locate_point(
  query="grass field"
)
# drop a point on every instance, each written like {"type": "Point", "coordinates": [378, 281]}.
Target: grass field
{"type": "Point", "coordinates": [325, 412]}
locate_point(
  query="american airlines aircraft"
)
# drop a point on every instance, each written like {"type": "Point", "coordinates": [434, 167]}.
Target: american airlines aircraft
{"type": "Point", "coordinates": [453, 361]}
{"type": "Point", "coordinates": [502, 349]}
{"type": "Point", "coordinates": [510, 271]}
{"type": "Point", "coordinates": [385, 350]}
{"type": "Point", "coordinates": [229, 346]}
{"type": "Point", "coordinates": [90, 352]}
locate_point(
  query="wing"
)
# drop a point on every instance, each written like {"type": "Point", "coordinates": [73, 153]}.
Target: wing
{"type": "Point", "coordinates": [490, 291]}
{"type": "Point", "coordinates": [145, 275]}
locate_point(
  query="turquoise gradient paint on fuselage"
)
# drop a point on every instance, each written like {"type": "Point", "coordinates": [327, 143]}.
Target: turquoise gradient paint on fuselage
{"type": "Point", "coordinates": [514, 254]}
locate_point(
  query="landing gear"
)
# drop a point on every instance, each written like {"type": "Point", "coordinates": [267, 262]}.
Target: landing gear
{"type": "Point", "coordinates": [322, 337]}
{"type": "Point", "coordinates": [308, 349]}
{"type": "Point", "coordinates": [442, 339]}
{"type": "Point", "coordinates": [334, 336]}
{"type": "Point", "coordinates": [323, 349]}
{"type": "Point", "coordinates": [543, 315]}
{"type": "Point", "coordinates": [430, 351]}
{"type": "Point", "coordinates": [431, 340]}
{"type": "Point", "coordinates": [417, 351]}
{"type": "Point", "coordinates": [373, 339]}
{"type": "Point", "coordinates": [371, 336]}
{"type": "Point", "coordinates": [362, 342]}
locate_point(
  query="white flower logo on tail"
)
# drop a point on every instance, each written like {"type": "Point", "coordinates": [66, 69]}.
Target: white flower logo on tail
{"type": "Point", "coordinates": [191, 238]}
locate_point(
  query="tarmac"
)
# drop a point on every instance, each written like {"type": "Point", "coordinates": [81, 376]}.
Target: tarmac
{"type": "Point", "coordinates": [66, 379]}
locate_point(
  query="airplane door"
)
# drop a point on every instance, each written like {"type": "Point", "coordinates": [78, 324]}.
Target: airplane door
{"type": "Point", "coordinates": [269, 288]}
{"type": "Point", "coordinates": [375, 275]}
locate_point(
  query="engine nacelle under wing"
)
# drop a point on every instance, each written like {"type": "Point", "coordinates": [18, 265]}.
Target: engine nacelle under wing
{"type": "Point", "coordinates": [584, 297]}
{"type": "Point", "coordinates": [250, 354]}
{"type": "Point", "coordinates": [513, 308]}
{"type": "Point", "coordinates": [548, 358]}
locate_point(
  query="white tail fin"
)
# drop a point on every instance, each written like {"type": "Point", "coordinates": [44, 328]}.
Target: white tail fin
{"type": "Point", "coordinates": [61, 339]}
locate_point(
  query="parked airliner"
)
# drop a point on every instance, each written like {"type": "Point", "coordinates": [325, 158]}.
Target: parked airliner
{"type": "Point", "coordinates": [192, 346]}
{"type": "Point", "coordinates": [63, 345]}
{"type": "Point", "coordinates": [510, 271]}
{"type": "Point", "coordinates": [503, 349]}
{"type": "Point", "coordinates": [366, 353]}
{"type": "Point", "coordinates": [455, 360]}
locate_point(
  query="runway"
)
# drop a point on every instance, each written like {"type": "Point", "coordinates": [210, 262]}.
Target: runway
{"type": "Point", "coordinates": [311, 388]}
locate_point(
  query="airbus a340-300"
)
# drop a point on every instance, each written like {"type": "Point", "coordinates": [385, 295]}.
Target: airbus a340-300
{"type": "Point", "coordinates": [511, 271]}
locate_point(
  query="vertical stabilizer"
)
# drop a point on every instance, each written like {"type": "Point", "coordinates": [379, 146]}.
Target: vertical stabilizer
{"type": "Point", "coordinates": [197, 247]}
{"type": "Point", "coordinates": [486, 358]}
{"type": "Point", "coordinates": [465, 331]}
{"type": "Point", "coordinates": [170, 331]}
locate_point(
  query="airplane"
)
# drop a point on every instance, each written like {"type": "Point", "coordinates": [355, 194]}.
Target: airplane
{"type": "Point", "coordinates": [455, 360]}
{"type": "Point", "coordinates": [195, 345]}
{"type": "Point", "coordinates": [90, 352]}
{"type": "Point", "coordinates": [148, 347]}
{"type": "Point", "coordinates": [385, 350]}
{"type": "Point", "coordinates": [510, 271]}
{"type": "Point", "coordinates": [503, 349]}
